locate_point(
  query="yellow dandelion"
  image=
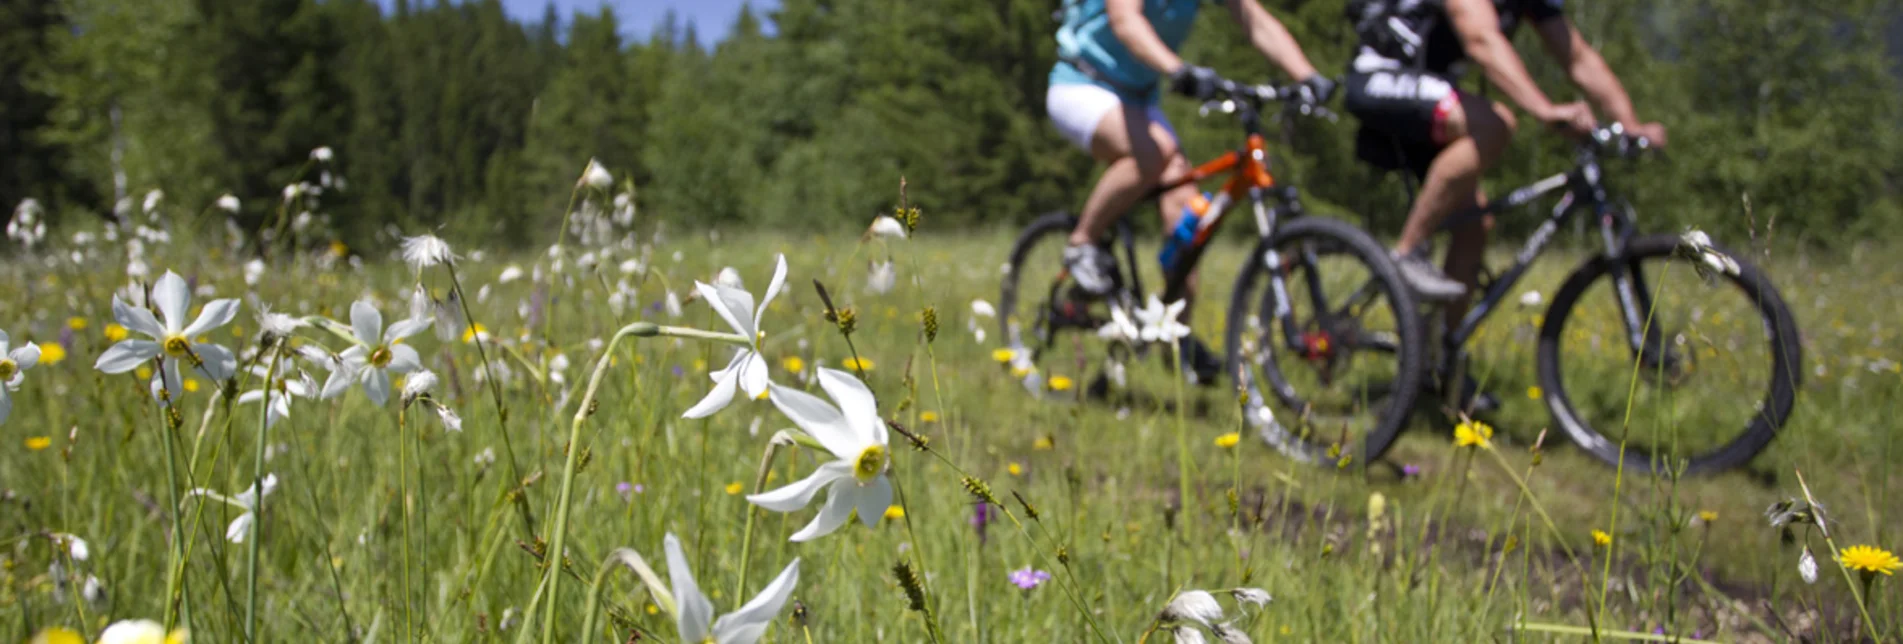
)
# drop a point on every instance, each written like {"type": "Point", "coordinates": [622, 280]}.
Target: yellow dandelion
{"type": "Point", "coordinates": [858, 364]}
{"type": "Point", "coordinates": [1472, 433]}
{"type": "Point", "coordinates": [114, 332]}
{"type": "Point", "coordinates": [1869, 560]}
{"type": "Point", "coordinates": [1043, 443]}
{"type": "Point", "coordinates": [700, 365]}
{"type": "Point", "coordinates": [237, 331]}
{"type": "Point", "coordinates": [1707, 516]}
{"type": "Point", "coordinates": [469, 334]}
{"type": "Point", "coordinates": [1600, 538]}
{"type": "Point", "coordinates": [144, 373]}
{"type": "Point", "coordinates": [1014, 468]}
{"type": "Point", "coordinates": [57, 635]}
{"type": "Point", "coordinates": [38, 443]}
{"type": "Point", "coordinates": [1534, 392]}
{"type": "Point", "coordinates": [733, 488]}
{"type": "Point", "coordinates": [928, 417]}
{"type": "Point", "coordinates": [1020, 372]}
{"type": "Point", "coordinates": [52, 352]}
{"type": "Point", "coordinates": [338, 249]}
{"type": "Point", "coordinates": [1003, 356]}
{"type": "Point", "coordinates": [793, 364]}
{"type": "Point", "coordinates": [652, 609]}
{"type": "Point", "coordinates": [1228, 440]}
{"type": "Point", "coordinates": [191, 385]}
{"type": "Point", "coordinates": [1061, 383]}
{"type": "Point", "coordinates": [895, 513]}
{"type": "Point", "coordinates": [76, 323]}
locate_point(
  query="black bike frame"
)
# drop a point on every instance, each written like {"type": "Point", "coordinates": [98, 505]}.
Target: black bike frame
{"type": "Point", "coordinates": [1585, 191]}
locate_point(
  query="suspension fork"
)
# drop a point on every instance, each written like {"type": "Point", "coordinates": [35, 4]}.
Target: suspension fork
{"type": "Point", "coordinates": [1628, 282]}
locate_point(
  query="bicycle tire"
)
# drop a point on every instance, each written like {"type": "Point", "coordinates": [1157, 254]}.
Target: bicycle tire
{"type": "Point", "coordinates": [1060, 223]}
{"type": "Point", "coordinates": [1410, 351]}
{"type": "Point", "coordinates": [1781, 329]}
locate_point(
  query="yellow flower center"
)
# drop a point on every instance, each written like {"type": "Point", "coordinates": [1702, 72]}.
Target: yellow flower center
{"type": "Point", "coordinates": [8, 368]}
{"type": "Point", "coordinates": [870, 463]}
{"type": "Point", "coordinates": [380, 357]}
{"type": "Point", "coordinates": [177, 346]}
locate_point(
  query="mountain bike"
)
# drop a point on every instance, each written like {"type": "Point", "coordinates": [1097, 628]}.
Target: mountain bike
{"type": "Point", "coordinates": [1650, 350]}
{"type": "Point", "coordinates": [1302, 259]}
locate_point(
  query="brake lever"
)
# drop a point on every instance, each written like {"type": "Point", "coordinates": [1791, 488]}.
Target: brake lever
{"type": "Point", "coordinates": [1226, 106]}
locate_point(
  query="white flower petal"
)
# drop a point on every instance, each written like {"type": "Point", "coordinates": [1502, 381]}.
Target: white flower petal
{"type": "Point", "coordinates": [29, 354]}
{"type": "Point", "coordinates": [872, 499]}
{"type": "Point", "coordinates": [797, 494]}
{"type": "Point", "coordinates": [403, 359]}
{"type": "Point", "coordinates": [772, 289]}
{"type": "Point", "coordinates": [376, 385]}
{"type": "Point", "coordinates": [249, 397]}
{"type": "Point", "coordinates": [716, 400]}
{"type": "Point", "coordinates": [239, 527]}
{"type": "Point", "coordinates": [818, 419]}
{"type": "Point", "coordinates": [126, 356]}
{"type": "Point", "coordinates": [366, 322]}
{"type": "Point", "coordinates": [173, 298]}
{"type": "Point", "coordinates": [753, 374]}
{"type": "Point", "coordinates": [406, 327]}
{"type": "Point", "coordinates": [338, 383]}
{"type": "Point", "coordinates": [216, 314]}
{"type": "Point", "coordinates": [734, 305]}
{"type": "Point", "coordinates": [838, 508]}
{"type": "Point", "coordinates": [745, 626]}
{"type": "Point", "coordinates": [857, 403]}
{"type": "Point", "coordinates": [695, 611]}
{"type": "Point", "coordinates": [219, 363]}
{"type": "Point", "coordinates": [136, 318]}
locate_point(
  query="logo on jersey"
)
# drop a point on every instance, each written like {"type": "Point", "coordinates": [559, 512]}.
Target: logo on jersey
{"type": "Point", "coordinates": [1408, 86]}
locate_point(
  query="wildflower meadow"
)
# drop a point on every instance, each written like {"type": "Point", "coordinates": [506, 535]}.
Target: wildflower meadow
{"type": "Point", "coordinates": [651, 431]}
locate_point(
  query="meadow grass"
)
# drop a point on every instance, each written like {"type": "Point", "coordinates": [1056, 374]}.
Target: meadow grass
{"type": "Point", "coordinates": [386, 526]}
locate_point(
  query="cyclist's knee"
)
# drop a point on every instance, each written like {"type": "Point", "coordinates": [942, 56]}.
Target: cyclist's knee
{"type": "Point", "coordinates": [1490, 130]}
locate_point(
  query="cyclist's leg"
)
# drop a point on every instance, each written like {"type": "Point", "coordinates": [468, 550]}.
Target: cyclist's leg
{"type": "Point", "coordinates": [1140, 149]}
{"type": "Point", "coordinates": [1475, 132]}
{"type": "Point", "coordinates": [1467, 243]}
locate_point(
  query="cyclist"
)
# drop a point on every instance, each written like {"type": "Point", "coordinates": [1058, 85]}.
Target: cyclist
{"type": "Point", "coordinates": [1402, 86]}
{"type": "Point", "coordinates": [1112, 55]}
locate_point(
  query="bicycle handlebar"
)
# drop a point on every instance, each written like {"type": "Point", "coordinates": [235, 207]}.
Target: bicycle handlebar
{"type": "Point", "coordinates": [1229, 92]}
{"type": "Point", "coordinates": [1613, 140]}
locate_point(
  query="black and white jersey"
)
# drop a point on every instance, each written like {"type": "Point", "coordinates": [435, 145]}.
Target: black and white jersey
{"type": "Point", "coordinates": [1424, 24]}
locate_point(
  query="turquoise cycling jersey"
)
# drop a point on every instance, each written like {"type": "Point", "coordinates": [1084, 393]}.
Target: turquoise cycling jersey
{"type": "Point", "coordinates": [1088, 51]}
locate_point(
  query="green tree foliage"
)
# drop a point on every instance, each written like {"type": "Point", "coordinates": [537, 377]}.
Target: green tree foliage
{"type": "Point", "coordinates": [451, 114]}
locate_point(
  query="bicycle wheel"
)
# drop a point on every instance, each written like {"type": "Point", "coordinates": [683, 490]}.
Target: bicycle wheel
{"type": "Point", "coordinates": [1715, 379]}
{"type": "Point", "coordinates": [1324, 339]}
{"type": "Point", "coordinates": [1046, 324]}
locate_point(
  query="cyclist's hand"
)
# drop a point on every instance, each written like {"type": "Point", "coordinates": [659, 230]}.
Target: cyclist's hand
{"type": "Point", "coordinates": [1653, 133]}
{"type": "Point", "coordinates": [1315, 90]}
{"type": "Point", "coordinates": [1574, 118]}
{"type": "Point", "coordinates": [1195, 82]}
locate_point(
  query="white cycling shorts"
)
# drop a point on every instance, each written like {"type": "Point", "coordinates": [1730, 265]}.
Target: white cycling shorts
{"type": "Point", "coordinates": [1077, 108]}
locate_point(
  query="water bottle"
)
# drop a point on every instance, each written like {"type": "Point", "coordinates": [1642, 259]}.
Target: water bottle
{"type": "Point", "coordinates": [1185, 231]}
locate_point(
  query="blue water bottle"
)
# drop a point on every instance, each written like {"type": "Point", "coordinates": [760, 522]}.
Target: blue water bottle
{"type": "Point", "coordinates": [1184, 233]}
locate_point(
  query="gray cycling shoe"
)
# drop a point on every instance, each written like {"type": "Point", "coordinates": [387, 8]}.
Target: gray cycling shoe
{"type": "Point", "coordinates": [1425, 280]}
{"type": "Point", "coordinates": [1094, 269]}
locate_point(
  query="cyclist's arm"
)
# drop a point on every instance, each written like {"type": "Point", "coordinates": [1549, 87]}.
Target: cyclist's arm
{"type": "Point", "coordinates": [1478, 26]}
{"type": "Point", "coordinates": [1587, 70]}
{"type": "Point", "coordinates": [1271, 38]}
{"type": "Point", "coordinates": [1136, 34]}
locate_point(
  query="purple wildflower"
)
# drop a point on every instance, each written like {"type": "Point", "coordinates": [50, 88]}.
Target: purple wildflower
{"type": "Point", "coordinates": [678, 371]}
{"type": "Point", "coordinates": [1029, 578]}
{"type": "Point", "coordinates": [1410, 470]}
{"type": "Point", "coordinates": [626, 490]}
{"type": "Point", "coordinates": [981, 517]}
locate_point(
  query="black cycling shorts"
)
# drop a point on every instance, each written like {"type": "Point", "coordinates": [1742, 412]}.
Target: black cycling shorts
{"type": "Point", "coordinates": [1402, 114]}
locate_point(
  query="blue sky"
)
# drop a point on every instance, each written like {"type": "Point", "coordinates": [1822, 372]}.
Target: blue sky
{"type": "Point", "coordinates": [712, 18]}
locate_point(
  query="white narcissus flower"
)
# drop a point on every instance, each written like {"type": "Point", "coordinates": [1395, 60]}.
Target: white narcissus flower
{"type": "Point", "coordinates": [983, 309]}
{"type": "Point", "coordinates": [595, 176]}
{"type": "Point", "coordinates": [229, 203]}
{"type": "Point", "coordinates": [1120, 327]}
{"type": "Point", "coordinates": [424, 251]}
{"type": "Point", "coordinates": [882, 277]}
{"type": "Point", "coordinates": [1160, 322]}
{"type": "Point", "coordinates": [277, 394]}
{"type": "Point", "coordinates": [673, 305]}
{"type": "Point", "coordinates": [729, 277]}
{"type": "Point", "coordinates": [1531, 299]}
{"type": "Point", "coordinates": [248, 501]}
{"type": "Point", "coordinates": [172, 340]}
{"type": "Point", "coordinates": [13, 366]}
{"type": "Point", "coordinates": [887, 227]}
{"type": "Point", "coordinates": [323, 154]}
{"type": "Point", "coordinates": [253, 271]}
{"type": "Point", "coordinates": [376, 355]}
{"type": "Point", "coordinates": [856, 436]}
{"type": "Point", "coordinates": [152, 200]}
{"type": "Point", "coordinates": [747, 371]}
{"type": "Point", "coordinates": [510, 273]}
{"type": "Point", "coordinates": [695, 614]}
{"type": "Point", "coordinates": [140, 631]}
